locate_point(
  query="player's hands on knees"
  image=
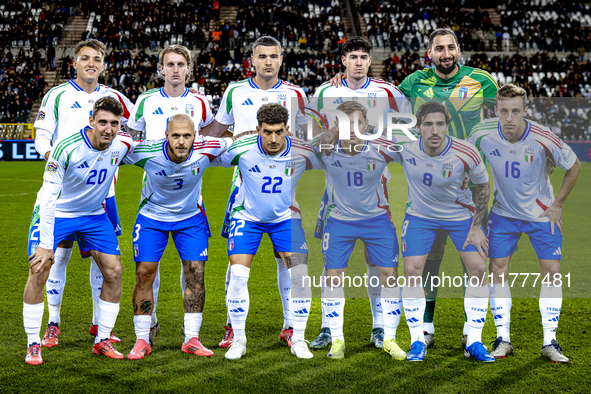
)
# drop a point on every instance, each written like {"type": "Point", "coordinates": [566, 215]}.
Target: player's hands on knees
{"type": "Point", "coordinates": [337, 79]}
{"type": "Point", "coordinates": [477, 238]}
{"type": "Point", "coordinates": [39, 257]}
{"type": "Point", "coordinates": [554, 213]}
{"type": "Point", "coordinates": [465, 182]}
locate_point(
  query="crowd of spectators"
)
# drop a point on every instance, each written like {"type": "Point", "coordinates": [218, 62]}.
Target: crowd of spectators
{"type": "Point", "coordinates": [20, 84]}
{"type": "Point", "coordinates": [33, 24]}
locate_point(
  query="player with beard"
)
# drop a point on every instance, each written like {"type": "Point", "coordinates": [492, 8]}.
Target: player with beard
{"type": "Point", "coordinates": [464, 90]}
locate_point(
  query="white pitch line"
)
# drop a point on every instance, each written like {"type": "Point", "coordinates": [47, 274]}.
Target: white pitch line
{"type": "Point", "coordinates": [10, 195]}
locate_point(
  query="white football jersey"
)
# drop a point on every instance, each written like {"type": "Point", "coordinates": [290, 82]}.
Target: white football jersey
{"type": "Point", "coordinates": [379, 97]}
{"type": "Point", "coordinates": [243, 99]}
{"type": "Point", "coordinates": [356, 185]}
{"type": "Point", "coordinates": [65, 109]}
{"type": "Point", "coordinates": [267, 192]}
{"type": "Point", "coordinates": [434, 182]}
{"type": "Point", "coordinates": [81, 176]}
{"type": "Point", "coordinates": [154, 108]}
{"type": "Point", "coordinates": [172, 192]}
{"type": "Point", "coordinates": [522, 188]}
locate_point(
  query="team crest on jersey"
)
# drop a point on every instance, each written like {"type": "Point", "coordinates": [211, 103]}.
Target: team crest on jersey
{"type": "Point", "coordinates": [372, 100]}
{"type": "Point", "coordinates": [404, 245]}
{"type": "Point", "coordinates": [41, 115]}
{"type": "Point", "coordinates": [231, 244]}
{"type": "Point", "coordinates": [463, 93]}
{"type": "Point", "coordinates": [282, 99]}
{"type": "Point", "coordinates": [289, 166]}
{"type": "Point", "coordinates": [371, 164]}
{"type": "Point", "coordinates": [529, 155]}
{"type": "Point", "coordinates": [195, 169]}
{"type": "Point", "coordinates": [114, 158]}
{"type": "Point", "coordinates": [190, 110]}
{"type": "Point", "coordinates": [447, 169]}
{"type": "Point", "coordinates": [136, 250]}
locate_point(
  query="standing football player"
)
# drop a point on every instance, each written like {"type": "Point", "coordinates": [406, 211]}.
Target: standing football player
{"type": "Point", "coordinates": [77, 179]}
{"type": "Point", "coordinates": [151, 115]}
{"type": "Point", "coordinates": [270, 165]}
{"type": "Point", "coordinates": [239, 107]}
{"type": "Point", "coordinates": [519, 152]}
{"type": "Point", "coordinates": [63, 112]}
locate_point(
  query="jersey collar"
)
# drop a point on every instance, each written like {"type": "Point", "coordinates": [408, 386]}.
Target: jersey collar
{"type": "Point", "coordinates": [78, 88]}
{"type": "Point", "coordinates": [523, 136]}
{"type": "Point", "coordinates": [444, 151]}
{"type": "Point", "coordinates": [185, 94]}
{"type": "Point", "coordinates": [286, 151]}
{"type": "Point", "coordinates": [365, 85]}
{"type": "Point", "coordinates": [165, 152]}
{"type": "Point", "coordinates": [254, 85]}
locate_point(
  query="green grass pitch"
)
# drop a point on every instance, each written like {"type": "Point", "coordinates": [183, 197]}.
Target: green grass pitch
{"type": "Point", "coordinates": [268, 365]}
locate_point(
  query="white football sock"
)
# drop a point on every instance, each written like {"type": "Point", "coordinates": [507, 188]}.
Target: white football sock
{"type": "Point", "coordinates": [550, 305]}
{"type": "Point", "coordinates": [96, 284]}
{"type": "Point", "coordinates": [238, 300]}
{"type": "Point", "coordinates": [108, 312]}
{"type": "Point", "coordinates": [56, 282]}
{"type": "Point", "coordinates": [374, 294]}
{"type": "Point", "coordinates": [228, 276]}
{"type": "Point", "coordinates": [284, 285]}
{"type": "Point", "coordinates": [141, 323]}
{"type": "Point", "coordinates": [334, 308]}
{"type": "Point", "coordinates": [32, 316]}
{"type": "Point", "coordinates": [155, 287]}
{"type": "Point", "coordinates": [413, 300]}
{"type": "Point", "coordinates": [300, 301]}
{"type": "Point", "coordinates": [322, 283]}
{"type": "Point", "coordinates": [429, 327]}
{"type": "Point", "coordinates": [476, 307]}
{"type": "Point", "coordinates": [500, 308]}
{"type": "Point", "coordinates": [192, 325]}
{"type": "Point", "coordinates": [392, 304]}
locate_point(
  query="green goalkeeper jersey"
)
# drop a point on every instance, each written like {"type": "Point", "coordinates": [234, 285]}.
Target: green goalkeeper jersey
{"type": "Point", "coordinates": [464, 94]}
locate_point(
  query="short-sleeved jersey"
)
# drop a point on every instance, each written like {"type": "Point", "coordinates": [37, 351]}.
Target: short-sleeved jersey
{"type": "Point", "coordinates": [243, 99]}
{"type": "Point", "coordinates": [522, 188]}
{"type": "Point", "coordinates": [267, 192]}
{"type": "Point", "coordinates": [172, 192]}
{"type": "Point", "coordinates": [463, 94]}
{"type": "Point", "coordinates": [379, 97]}
{"type": "Point", "coordinates": [434, 182]}
{"type": "Point", "coordinates": [85, 173]}
{"type": "Point", "coordinates": [354, 184]}
{"type": "Point", "coordinates": [154, 107]}
{"type": "Point", "coordinates": [65, 108]}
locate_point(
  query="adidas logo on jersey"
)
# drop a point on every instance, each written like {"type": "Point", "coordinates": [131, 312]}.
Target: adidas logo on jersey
{"type": "Point", "coordinates": [302, 311]}
{"type": "Point", "coordinates": [204, 253]}
{"type": "Point", "coordinates": [83, 165]}
{"type": "Point", "coordinates": [161, 173]}
{"type": "Point", "coordinates": [248, 102]}
{"type": "Point", "coordinates": [76, 105]}
{"type": "Point", "coordinates": [336, 164]}
{"type": "Point", "coordinates": [304, 246]}
{"type": "Point", "coordinates": [338, 101]}
{"type": "Point", "coordinates": [254, 169]}
{"type": "Point", "coordinates": [558, 252]}
{"type": "Point", "coordinates": [495, 153]}
{"type": "Point", "coordinates": [412, 161]}
{"type": "Point", "coordinates": [332, 314]}
{"type": "Point", "coordinates": [158, 112]}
